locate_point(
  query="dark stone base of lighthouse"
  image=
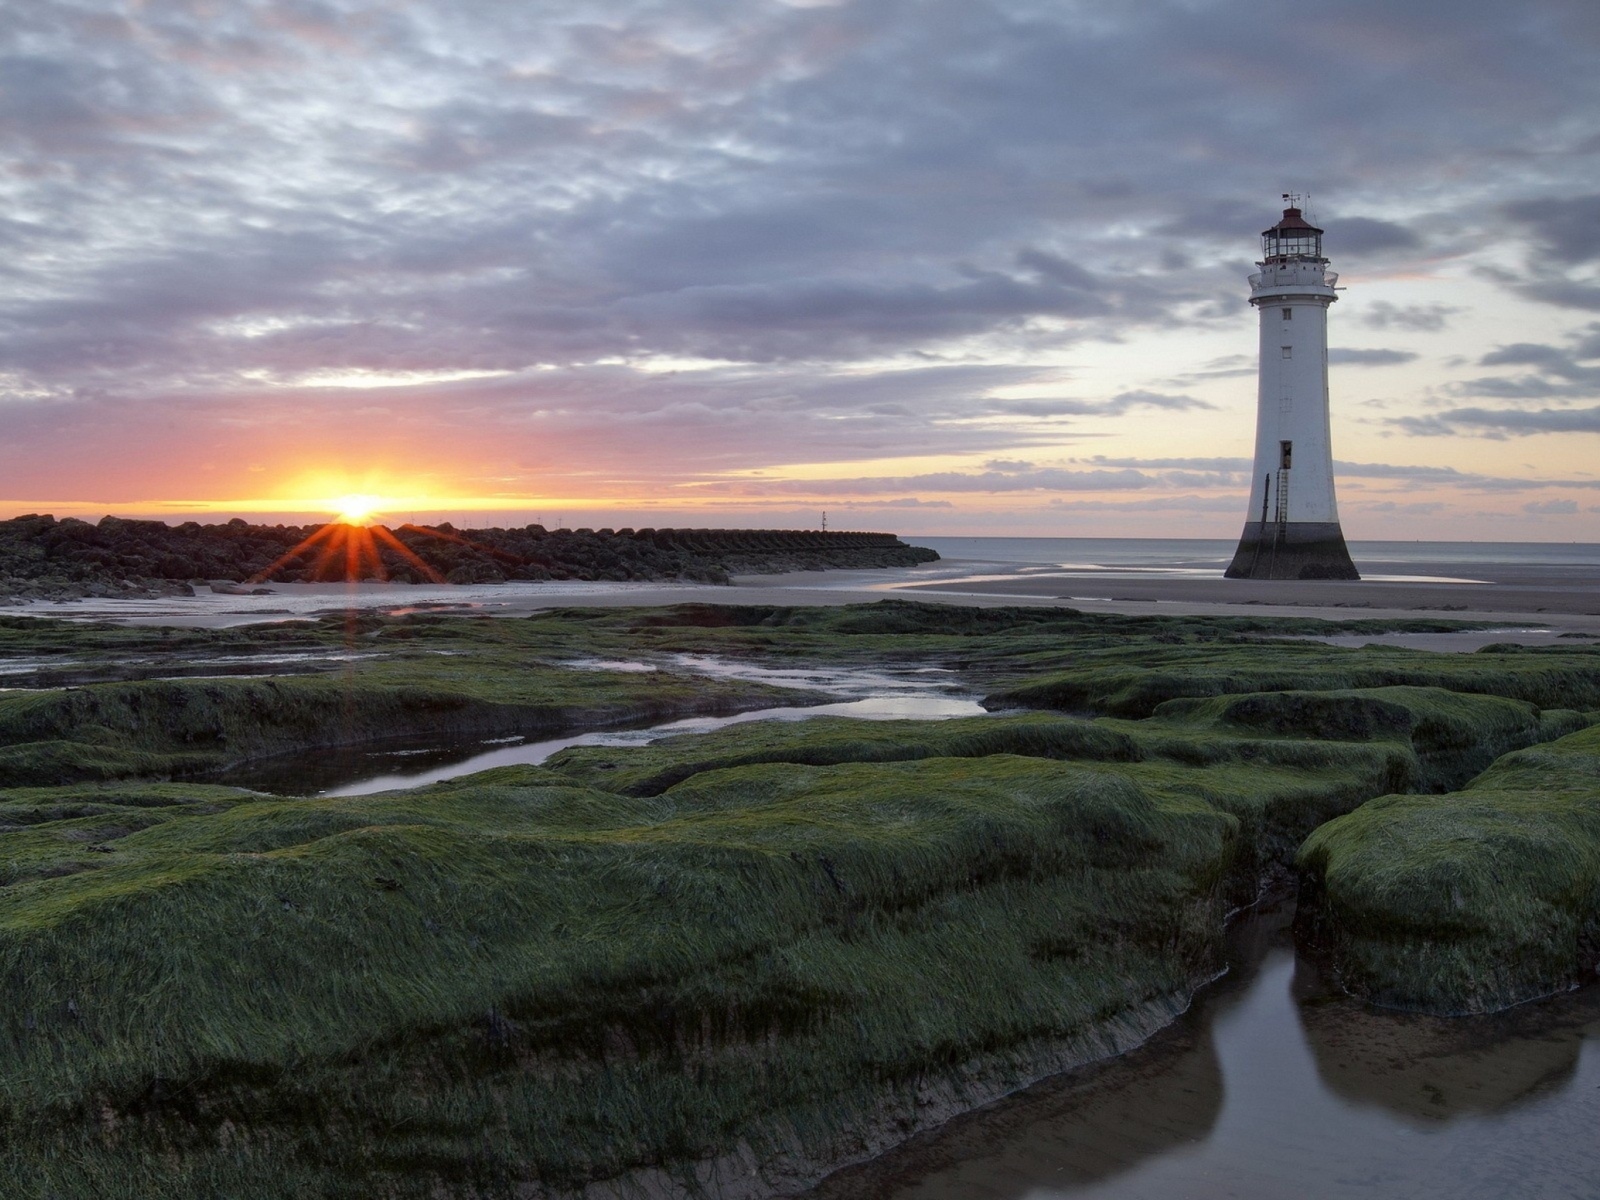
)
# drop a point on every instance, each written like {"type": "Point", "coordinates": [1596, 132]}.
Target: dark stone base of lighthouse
{"type": "Point", "coordinates": [1295, 550]}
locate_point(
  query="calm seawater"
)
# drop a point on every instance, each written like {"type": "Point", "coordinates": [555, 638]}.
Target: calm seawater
{"type": "Point", "coordinates": [1274, 1086]}
{"type": "Point", "coordinates": [1215, 553]}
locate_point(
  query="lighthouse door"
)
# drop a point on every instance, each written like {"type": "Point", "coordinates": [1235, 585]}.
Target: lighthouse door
{"type": "Point", "coordinates": [1285, 460]}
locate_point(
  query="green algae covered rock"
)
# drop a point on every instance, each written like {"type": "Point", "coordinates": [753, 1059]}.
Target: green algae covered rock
{"type": "Point", "coordinates": [1133, 679]}
{"type": "Point", "coordinates": [1470, 901]}
{"type": "Point", "coordinates": [514, 982]}
{"type": "Point", "coordinates": [774, 947]}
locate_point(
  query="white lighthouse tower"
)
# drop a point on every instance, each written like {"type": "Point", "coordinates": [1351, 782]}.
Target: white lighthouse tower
{"type": "Point", "coordinates": [1292, 524]}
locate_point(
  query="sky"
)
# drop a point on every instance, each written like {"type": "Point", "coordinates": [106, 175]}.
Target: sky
{"type": "Point", "coordinates": [938, 267]}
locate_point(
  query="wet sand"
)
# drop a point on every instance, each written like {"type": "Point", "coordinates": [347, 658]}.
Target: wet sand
{"type": "Point", "coordinates": [1519, 605]}
{"type": "Point", "coordinates": [1570, 593]}
{"type": "Point", "coordinates": [1530, 603]}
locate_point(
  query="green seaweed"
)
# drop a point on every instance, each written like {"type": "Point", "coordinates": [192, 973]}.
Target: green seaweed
{"type": "Point", "coordinates": [752, 942]}
{"type": "Point", "coordinates": [1455, 735]}
{"type": "Point", "coordinates": [1134, 680]}
{"type": "Point", "coordinates": [824, 741]}
{"type": "Point", "coordinates": [161, 727]}
{"type": "Point", "coordinates": [1470, 901]}
{"type": "Point", "coordinates": [360, 989]}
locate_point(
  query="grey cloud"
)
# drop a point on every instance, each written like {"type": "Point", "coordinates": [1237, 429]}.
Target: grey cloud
{"type": "Point", "coordinates": [1501, 421]}
{"type": "Point", "coordinates": [1040, 479]}
{"type": "Point", "coordinates": [1525, 353]}
{"type": "Point", "coordinates": [1586, 343]}
{"type": "Point", "coordinates": [1416, 318]}
{"type": "Point", "coordinates": [1527, 387]}
{"type": "Point", "coordinates": [763, 322]}
{"type": "Point", "coordinates": [1118, 405]}
{"type": "Point", "coordinates": [1551, 508]}
{"type": "Point", "coordinates": [43, 100]}
{"type": "Point", "coordinates": [1362, 236]}
{"type": "Point", "coordinates": [533, 427]}
{"type": "Point", "coordinates": [1569, 226]}
{"type": "Point", "coordinates": [1024, 478]}
{"type": "Point", "coordinates": [1396, 471]}
{"type": "Point", "coordinates": [459, 135]}
{"type": "Point", "coordinates": [1558, 271]}
{"type": "Point", "coordinates": [1345, 356]}
{"type": "Point", "coordinates": [902, 502]}
{"type": "Point", "coordinates": [1200, 479]}
{"type": "Point", "coordinates": [1557, 370]}
{"type": "Point", "coordinates": [1124, 401]}
{"type": "Point", "coordinates": [1232, 366]}
{"type": "Point", "coordinates": [264, 191]}
{"type": "Point", "coordinates": [1218, 219]}
{"type": "Point", "coordinates": [1426, 508]}
{"type": "Point", "coordinates": [1186, 504]}
{"type": "Point", "coordinates": [79, 107]}
{"type": "Point", "coordinates": [1563, 293]}
{"type": "Point", "coordinates": [1059, 271]}
{"type": "Point", "coordinates": [1185, 464]}
{"type": "Point", "coordinates": [1433, 476]}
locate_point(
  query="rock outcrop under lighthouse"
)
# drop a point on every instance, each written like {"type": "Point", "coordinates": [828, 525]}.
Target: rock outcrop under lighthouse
{"type": "Point", "coordinates": [1292, 523]}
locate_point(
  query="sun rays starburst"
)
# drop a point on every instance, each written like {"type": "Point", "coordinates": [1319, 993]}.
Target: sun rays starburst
{"type": "Point", "coordinates": [347, 550]}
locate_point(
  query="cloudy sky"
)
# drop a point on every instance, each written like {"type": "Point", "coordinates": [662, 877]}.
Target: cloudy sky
{"type": "Point", "coordinates": [936, 266]}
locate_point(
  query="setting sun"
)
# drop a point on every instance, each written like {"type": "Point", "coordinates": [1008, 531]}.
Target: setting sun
{"type": "Point", "coordinates": [357, 508]}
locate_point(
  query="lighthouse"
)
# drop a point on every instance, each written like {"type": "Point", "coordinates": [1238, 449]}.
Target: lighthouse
{"type": "Point", "coordinates": [1292, 523]}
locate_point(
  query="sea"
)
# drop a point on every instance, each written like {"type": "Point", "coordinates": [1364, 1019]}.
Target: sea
{"type": "Point", "coordinates": [1213, 554]}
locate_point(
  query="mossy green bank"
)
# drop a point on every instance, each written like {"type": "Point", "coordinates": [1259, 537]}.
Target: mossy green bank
{"type": "Point", "coordinates": [722, 961]}
{"type": "Point", "coordinates": [517, 981]}
{"type": "Point", "coordinates": [1470, 901]}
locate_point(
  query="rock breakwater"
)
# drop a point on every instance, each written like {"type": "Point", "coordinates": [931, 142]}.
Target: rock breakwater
{"type": "Point", "coordinates": [43, 558]}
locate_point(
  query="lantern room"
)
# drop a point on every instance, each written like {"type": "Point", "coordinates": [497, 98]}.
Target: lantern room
{"type": "Point", "coordinates": [1291, 238]}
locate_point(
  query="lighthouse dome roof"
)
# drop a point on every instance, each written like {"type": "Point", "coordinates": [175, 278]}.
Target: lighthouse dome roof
{"type": "Point", "coordinates": [1292, 221]}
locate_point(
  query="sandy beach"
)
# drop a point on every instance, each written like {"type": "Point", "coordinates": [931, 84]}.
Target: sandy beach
{"type": "Point", "coordinates": [1527, 603]}
{"type": "Point", "coordinates": [1531, 603]}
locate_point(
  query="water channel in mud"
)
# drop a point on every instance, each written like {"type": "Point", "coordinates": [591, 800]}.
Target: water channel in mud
{"type": "Point", "coordinates": [1274, 1085]}
{"type": "Point", "coordinates": [925, 693]}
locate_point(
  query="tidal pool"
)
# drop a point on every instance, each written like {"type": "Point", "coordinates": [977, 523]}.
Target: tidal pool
{"type": "Point", "coordinates": [1271, 1086]}
{"type": "Point", "coordinates": [922, 693]}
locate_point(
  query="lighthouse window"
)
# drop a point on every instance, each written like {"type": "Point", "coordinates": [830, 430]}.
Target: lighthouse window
{"type": "Point", "coordinates": [1285, 455]}
{"type": "Point", "coordinates": [1288, 313]}
{"type": "Point", "coordinates": [1288, 351]}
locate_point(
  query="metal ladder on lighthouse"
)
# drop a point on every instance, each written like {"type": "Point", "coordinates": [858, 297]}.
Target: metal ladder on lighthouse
{"type": "Point", "coordinates": [1282, 522]}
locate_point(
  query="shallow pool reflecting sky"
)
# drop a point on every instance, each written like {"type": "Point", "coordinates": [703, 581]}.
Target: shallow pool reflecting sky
{"type": "Point", "coordinates": [1272, 1087]}
{"type": "Point", "coordinates": [918, 693]}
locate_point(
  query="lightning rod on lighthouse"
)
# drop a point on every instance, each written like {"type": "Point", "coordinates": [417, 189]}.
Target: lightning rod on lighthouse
{"type": "Point", "coordinates": [1292, 523]}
